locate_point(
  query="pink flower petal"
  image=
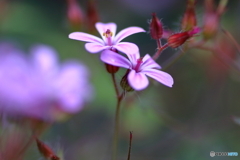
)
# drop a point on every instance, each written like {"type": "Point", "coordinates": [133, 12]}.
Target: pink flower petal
{"type": "Point", "coordinates": [80, 36]}
{"type": "Point", "coordinates": [102, 27]}
{"type": "Point", "coordinates": [133, 57]}
{"type": "Point", "coordinates": [115, 59]}
{"type": "Point", "coordinates": [127, 32]}
{"type": "Point", "coordinates": [94, 47]}
{"type": "Point", "coordinates": [137, 81]}
{"type": "Point", "coordinates": [127, 47]}
{"type": "Point", "coordinates": [160, 76]}
{"type": "Point", "coordinates": [148, 63]}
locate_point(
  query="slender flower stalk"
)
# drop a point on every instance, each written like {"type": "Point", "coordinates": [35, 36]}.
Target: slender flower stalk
{"type": "Point", "coordinates": [159, 51]}
{"type": "Point", "coordinates": [116, 127]}
{"type": "Point", "coordinates": [130, 145]}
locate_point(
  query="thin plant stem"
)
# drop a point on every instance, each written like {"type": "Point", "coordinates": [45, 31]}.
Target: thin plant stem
{"type": "Point", "coordinates": [172, 59]}
{"type": "Point", "coordinates": [159, 51]}
{"type": "Point", "coordinates": [230, 36]}
{"type": "Point", "coordinates": [115, 84]}
{"type": "Point", "coordinates": [159, 45]}
{"type": "Point", "coordinates": [222, 57]}
{"type": "Point", "coordinates": [116, 127]}
{"type": "Point", "coordinates": [130, 146]}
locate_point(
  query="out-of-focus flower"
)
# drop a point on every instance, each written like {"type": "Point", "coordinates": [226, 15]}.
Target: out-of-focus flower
{"type": "Point", "coordinates": [109, 40]}
{"type": "Point", "coordinates": [39, 87]}
{"type": "Point", "coordinates": [189, 19]}
{"type": "Point", "coordinates": [139, 68]}
{"type": "Point", "coordinates": [177, 39]}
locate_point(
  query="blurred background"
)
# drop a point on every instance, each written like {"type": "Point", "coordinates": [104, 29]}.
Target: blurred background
{"type": "Point", "coordinates": [198, 115]}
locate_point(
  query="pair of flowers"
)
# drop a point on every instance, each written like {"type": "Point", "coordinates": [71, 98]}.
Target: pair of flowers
{"type": "Point", "coordinates": [139, 67]}
{"type": "Point", "coordinates": [38, 86]}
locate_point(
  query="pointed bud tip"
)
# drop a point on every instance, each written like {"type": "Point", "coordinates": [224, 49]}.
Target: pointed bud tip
{"type": "Point", "coordinates": [156, 29]}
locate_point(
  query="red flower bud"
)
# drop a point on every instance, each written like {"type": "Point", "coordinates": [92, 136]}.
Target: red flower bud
{"type": "Point", "coordinates": [75, 14]}
{"type": "Point", "coordinates": [189, 18]}
{"type": "Point", "coordinates": [211, 25]}
{"type": "Point", "coordinates": [46, 151]}
{"type": "Point", "coordinates": [111, 68]}
{"type": "Point", "coordinates": [178, 39]}
{"type": "Point", "coordinates": [156, 29]}
{"type": "Point", "coordinates": [211, 19]}
{"type": "Point", "coordinates": [92, 15]}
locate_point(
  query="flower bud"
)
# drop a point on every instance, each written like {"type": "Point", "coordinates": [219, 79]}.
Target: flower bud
{"type": "Point", "coordinates": [75, 14]}
{"type": "Point", "coordinates": [124, 83]}
{"type": "Point", "coordinates": [46, 151]}
{"type": "Point", "coordinates": [178, 39]}
{"type": "Point", "coordinates": [111, 69]}
{"type": "Point", "coordinates": [92, 15]}
{"type": "Point", "coordinates": [210, 27]}
{"type": "Point", "coordinates": [156, 29]}
{"type": "Point", "coordinates": [189, 18]}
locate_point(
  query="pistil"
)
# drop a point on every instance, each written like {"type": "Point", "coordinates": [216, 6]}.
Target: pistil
{"type": "Point", "coordinates": [108, 34]}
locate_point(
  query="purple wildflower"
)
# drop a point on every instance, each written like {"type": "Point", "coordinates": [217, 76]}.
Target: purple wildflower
{"type": "Point", "coordinates": [139, 69]}
{"type": "Point", "coordinates": [39, 87]}
{"type": "Point", "coordinates": [109, 40]}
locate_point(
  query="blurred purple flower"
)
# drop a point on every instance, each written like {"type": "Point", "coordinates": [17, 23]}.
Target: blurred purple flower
{"type": "Point", "coordinates": [109, 40]}
{"type": "Point", "coordinates": [39, 87]}
{"type": "Point", "coordinates": [139, 68]}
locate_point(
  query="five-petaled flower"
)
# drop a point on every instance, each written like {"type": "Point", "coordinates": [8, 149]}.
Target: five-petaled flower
{"type": "Point", "coordinates": [109, 40]}
{"type": "Point", "coordinates": [139, 69]}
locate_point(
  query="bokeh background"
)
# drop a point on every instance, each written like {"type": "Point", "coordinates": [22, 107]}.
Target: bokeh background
{"type": "Point", "coordinates": [198, 115]}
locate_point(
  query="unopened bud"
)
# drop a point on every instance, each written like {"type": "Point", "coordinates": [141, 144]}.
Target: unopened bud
{"type": "Point", "coordinates": [75, 14]}
{"type": "Point", "coordinates": [124, 83]}
{"type": "Point", "coordinates": [46, 151]}
{"type": "Point", "coordinates": [212, 17]}
{"type": "Point", "coordinates": [210, 27]}
{"type": "Point", "coordinates": [189, 18]}
{"type": "Point", "coordinates": [92, 15]}
{"type": "Point", "coordinates": [178, 39]}
{"type": "Point", "coordinates": [111, 69]}
{"type": "Point", "coordinates": [156, 29]}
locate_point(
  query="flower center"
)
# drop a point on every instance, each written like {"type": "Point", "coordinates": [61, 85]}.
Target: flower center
{"type": "Point", "coordinates": [108, 34]}
{"type": "Point", "coordinates": [139, 62]}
